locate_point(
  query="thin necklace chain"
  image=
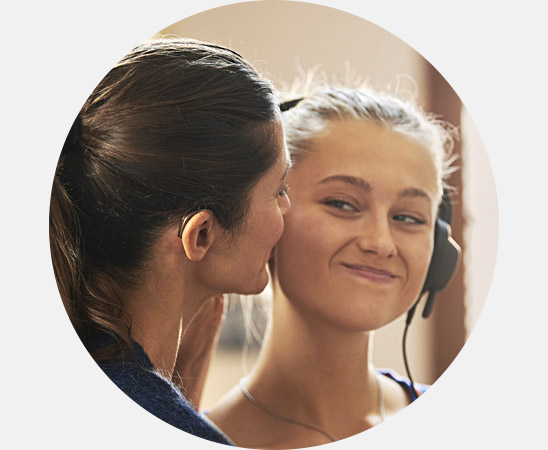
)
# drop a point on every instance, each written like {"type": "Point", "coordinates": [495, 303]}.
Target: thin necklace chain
{"type": "Point", "coordinates": [310, 426]}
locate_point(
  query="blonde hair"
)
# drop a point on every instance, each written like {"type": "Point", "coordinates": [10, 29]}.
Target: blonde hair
{"type": "Point", "coordinates": [324, 103]}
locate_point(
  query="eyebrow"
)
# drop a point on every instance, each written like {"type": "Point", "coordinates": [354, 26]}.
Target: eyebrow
{"type": "Point", "coordinates": [414, 193]}
{"type": "Point", "coordinates": [286, 172]}
{"type": "Point", "coordinates": [287, 168]}
{"type": "Point", "coordinates": [410, 192]}
{"type": "Point", "coordinates": [348, 179]}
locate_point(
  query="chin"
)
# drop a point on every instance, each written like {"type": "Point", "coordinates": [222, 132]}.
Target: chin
{"type": "Point", "coordinates": [256, 287]}
{"type": "Point", "coordinates": [366, 318]}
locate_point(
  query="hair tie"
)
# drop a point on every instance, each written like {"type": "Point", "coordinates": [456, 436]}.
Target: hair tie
{"type": "Point", "coordinates": [73, 137]}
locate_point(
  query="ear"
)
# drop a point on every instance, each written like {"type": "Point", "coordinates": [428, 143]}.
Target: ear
{"type": "Point", "coordinates": [198, 234]}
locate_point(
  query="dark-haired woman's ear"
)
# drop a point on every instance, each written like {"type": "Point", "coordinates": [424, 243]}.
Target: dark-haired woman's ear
{"type": "Point", "coordinates": [198, 234]}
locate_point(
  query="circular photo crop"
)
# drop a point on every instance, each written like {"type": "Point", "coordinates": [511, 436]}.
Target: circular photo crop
{"type": "Point", "coordinates": [273, 225]}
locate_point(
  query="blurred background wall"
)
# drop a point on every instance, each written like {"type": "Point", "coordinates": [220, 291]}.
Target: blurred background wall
{"type": "Point", "coordinates": [281, 38]}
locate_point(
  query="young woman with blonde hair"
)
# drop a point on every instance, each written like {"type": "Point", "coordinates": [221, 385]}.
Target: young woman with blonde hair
{"type": "Point", "coordinates": [366, 185]}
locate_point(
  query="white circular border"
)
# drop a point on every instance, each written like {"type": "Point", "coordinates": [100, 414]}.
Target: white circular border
{"type": "Point", "coordinates": [491, 54]}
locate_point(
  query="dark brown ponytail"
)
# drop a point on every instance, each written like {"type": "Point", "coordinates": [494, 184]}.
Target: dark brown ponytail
{"type": "Point", "coordinates": [177, 126]}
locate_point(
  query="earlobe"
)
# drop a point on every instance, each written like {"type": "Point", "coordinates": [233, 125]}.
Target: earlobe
{"type": "Point", "coordinates": [198, 234]}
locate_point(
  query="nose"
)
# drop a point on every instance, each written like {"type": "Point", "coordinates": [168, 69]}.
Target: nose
{"type": "Point", "coordinates": [376, 237]}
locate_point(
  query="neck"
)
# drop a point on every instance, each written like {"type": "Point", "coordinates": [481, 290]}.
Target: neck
{"type": "Point", "coordinates": [159, 308]}
{"type": "Point", "coordinates": [324, 371]}
{"type": "Point", "coordinates": [157, 323]}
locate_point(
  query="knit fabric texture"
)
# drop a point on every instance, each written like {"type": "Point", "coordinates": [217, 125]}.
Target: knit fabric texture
{"type": "Point", "coordinates": [139, 381]}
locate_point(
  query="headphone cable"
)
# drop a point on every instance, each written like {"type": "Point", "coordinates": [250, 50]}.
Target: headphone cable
{"type": "Point", "coordinates": [410, 314]}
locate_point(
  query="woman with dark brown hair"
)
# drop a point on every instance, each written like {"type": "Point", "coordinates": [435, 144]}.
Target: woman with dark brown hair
{"type": "Point", "coordinates": [169, 192]}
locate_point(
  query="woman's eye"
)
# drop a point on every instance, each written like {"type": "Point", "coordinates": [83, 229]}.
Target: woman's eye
{"type": "Point", "coordinates": [409, 219]}
{"type": "Point", "coordinates": [284, 190]}
{"type": "Point", "coordinates": [340, 204]}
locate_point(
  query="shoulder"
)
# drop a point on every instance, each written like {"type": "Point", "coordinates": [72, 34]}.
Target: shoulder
{"type": "Point", "coordinates": [139, 382]}
{"type": "Point", "coordinates": [229, 415]}
{"type": "Point", "coordinates": [157, 395]}
{"type": "Point", "coordinates": [245, 425]}
{"type": "Point", "coordinates": [405, 383]}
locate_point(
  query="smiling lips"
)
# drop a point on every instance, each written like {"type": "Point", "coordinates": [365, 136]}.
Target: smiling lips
{"type": "Point", "coordinates": [370, 273]}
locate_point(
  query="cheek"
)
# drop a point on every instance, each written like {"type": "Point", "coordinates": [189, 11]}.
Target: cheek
{"type": "Point", "coordinates": [270, 229]}
{"type": "Point", "coordinates": [303, 253]}
{"type": "Point", "coordinates": [302, 235]}
{"type": "Point", "coordinates": [277, 226]}
{"type": "Point", "coordinates": [419, 256]}
{"type": "Point", "coordinates": [267, 229]}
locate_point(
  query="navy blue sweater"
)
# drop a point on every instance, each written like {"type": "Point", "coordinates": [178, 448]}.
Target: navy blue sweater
{"type": "Point", "coordinates": [141, 383]}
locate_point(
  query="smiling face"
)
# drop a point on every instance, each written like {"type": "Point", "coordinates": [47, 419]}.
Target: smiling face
{"type": "Point", "coordinates": [359, 236]}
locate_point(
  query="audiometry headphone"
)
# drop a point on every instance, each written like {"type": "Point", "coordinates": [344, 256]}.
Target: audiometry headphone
{"type": "Point", "coordinates": [443, 264]}
{"type": "Point", "coordinates": [445, 257]}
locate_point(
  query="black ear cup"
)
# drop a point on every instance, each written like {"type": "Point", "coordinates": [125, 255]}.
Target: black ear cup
{"type": "Point", "coordinates": [443, 263]}
{"type": "Point", "coordinates": [445, 257]}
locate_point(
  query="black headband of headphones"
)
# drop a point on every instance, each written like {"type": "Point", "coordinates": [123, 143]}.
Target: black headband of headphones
{"type": "Point", "coordinates": [284, 106]}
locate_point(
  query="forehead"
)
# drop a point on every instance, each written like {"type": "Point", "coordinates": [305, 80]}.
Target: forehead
{"type": "Point", "coordinates": [378, 154]}
{"type": "Point", "coordinates": [277, 172]}
{"type": "Point", "coordinates": [284, 160]}
{"type": "Point", "coordinates": [278, 138]}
